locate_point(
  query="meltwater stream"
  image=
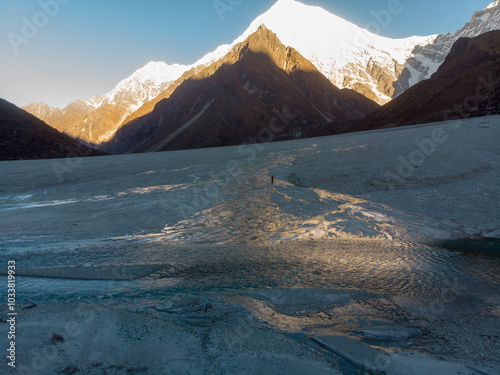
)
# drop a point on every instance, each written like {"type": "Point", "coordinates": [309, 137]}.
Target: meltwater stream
{"type": "Point", "coordinates": [203, 242]}
{"type": "Point", "coordinates": [136, 229]}
{"type": "Point", "coordinates": [134, 273]}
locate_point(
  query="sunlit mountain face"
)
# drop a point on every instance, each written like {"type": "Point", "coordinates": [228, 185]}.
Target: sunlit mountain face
{"type": "Point", "coordinates": [349, 56]}
{"type": "Point", "coordinates": [310, 198]}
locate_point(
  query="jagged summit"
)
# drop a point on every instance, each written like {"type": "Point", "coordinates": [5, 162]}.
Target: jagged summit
{"type": "Point", "coordinates": [471, 70]}
{"type": "Point", "coordinates": [259, 85]}
{"type": "Point", "coordinates": [493, 4]}
{"type": "Point", "coordinates": [24, 136]}
{"type": "Point", "coordinates": [143, 85]}
{"type": "Point", "coordinates": [96, 120]}
{"type": "Point", "coordinates": [427, 58]}
{"type": "Point", "coordinates": [349, 56]}
{"type": "Point", "coordinates": [40, 109]}
{"type": "Point", "coordinates": [155, 72]}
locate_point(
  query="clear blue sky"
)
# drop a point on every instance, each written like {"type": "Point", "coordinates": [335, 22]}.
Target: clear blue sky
{"type": "Point", "coordinates": [87, 46]}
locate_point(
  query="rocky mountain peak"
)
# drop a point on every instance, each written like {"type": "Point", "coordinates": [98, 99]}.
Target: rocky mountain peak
{"type": "Point", "coordinates": [24, 136]}
{"type": "Point", "coordinates": [427, 58]}
{"type": "Point", "coordinates": [295, 36]}
{"type": "Point", "coordinates": [263, 40]}
{"type": "Point", "coordinates": [258, 84]}
{"type": "Point", "coordinates": [494, 4]}
{"type": "Point", "coordinates": [473, 51]}
{"type": "Point", "coordinates": [470, 71]}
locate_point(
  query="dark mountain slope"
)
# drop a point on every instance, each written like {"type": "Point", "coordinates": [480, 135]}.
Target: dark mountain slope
{"type": "Point", "coordinates": [467, 84]}
{"type": "Point", "coordinates": [23, 136]}
{"type": "Point", "coordinates": [260, 91]}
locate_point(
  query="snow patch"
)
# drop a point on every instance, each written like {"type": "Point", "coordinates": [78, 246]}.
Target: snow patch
{"type": "Point", "coordinates": [493, 4]}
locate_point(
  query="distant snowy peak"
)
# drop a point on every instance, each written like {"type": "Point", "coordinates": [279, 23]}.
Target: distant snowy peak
{"type": "Point", "coordinates": [428, 58]}
{"type": "Point", "coordinates": [288, 19]}
{"type": "Point", "coordinates": [96, 120]}
{"type": "Point", "coordinates": [157, 72]}
{"type": "Point", "coordinates": [481, 22]}
{"type": "Point", "coordinates": [40, 110]}
{"type": "Point", "coordinates": [493, 4]}
{"type": "Point", "coordinates": [349, 56]}
{"type": "Point", "coordinates": [352, 57]}
{"type": "Point", "coordinates": [309, 29]}
{"type": "Point", "coordinates": [303, 26]}
{"type": "Point", "coordinates": [142, 86]}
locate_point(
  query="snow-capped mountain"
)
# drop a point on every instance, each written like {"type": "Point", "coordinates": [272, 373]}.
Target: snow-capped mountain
{"type": "Point", "coordinates": [40, 110]}
{"type": "Point", "coordinates": [352, 57]}
{"type": "Point", "coordinates": [446, 94]}
{"type": "Point", "coordinates": [493, 4]}
{"type": "Point", "coordinates": [142, 86]}
{"type": "Point", "coordinates": [349, 56]}
{"type": "Point", "coordinates": [96, 120]}
{"type": "Point", "coordinates": [428, 58]}
{"type": "Point", "coordinates": [258, 83]}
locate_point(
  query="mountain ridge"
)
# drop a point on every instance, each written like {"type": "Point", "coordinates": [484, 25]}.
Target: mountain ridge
{"type": "Point", "coordinates": [467, 84]}
{"type": "Point", "coordinates": [95, 120]}
{"type": "Point", "coordinates": [24, 136]}
{"type": "Point", "coordinates": [379, 68]}
{"type": "Point", "coordinates": [303, 27]}
{"type": "Point", "coordinates": [258, 83]}
{"type": "Point", "coordinates": [428, 58]}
